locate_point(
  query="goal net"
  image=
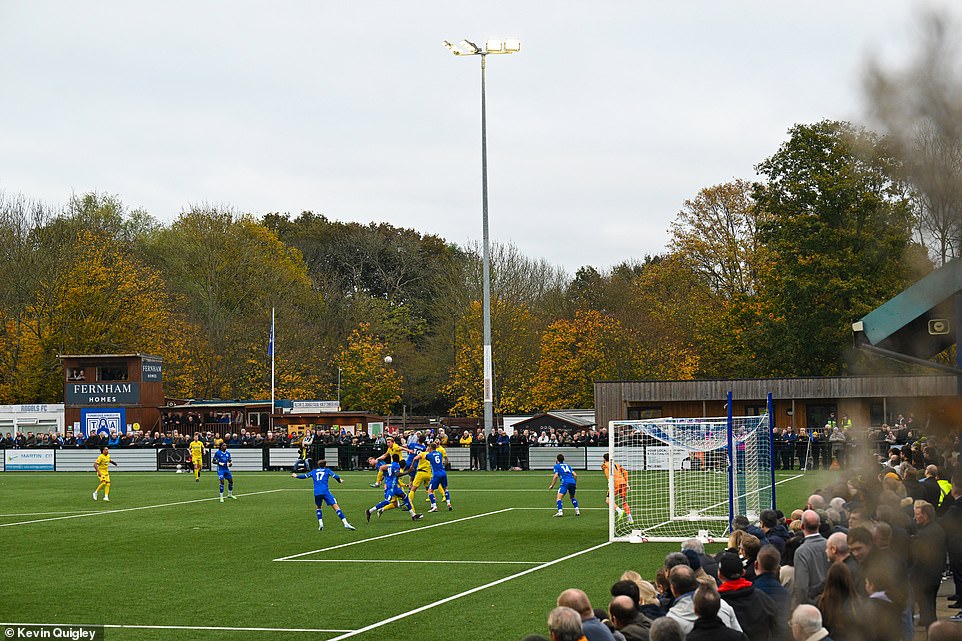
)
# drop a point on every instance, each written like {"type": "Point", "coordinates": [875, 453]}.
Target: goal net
{"type": "Point", "coordinates": [688, 477]}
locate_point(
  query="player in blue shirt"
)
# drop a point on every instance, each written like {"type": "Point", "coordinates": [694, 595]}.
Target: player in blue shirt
{"type": "Point", "coordinates": [439, 476]}
{"type": "Point", "coordinates": [413, 448]}
{"type": "Point", "coordinates": [222, 460]}
{"type": "Point", "coordinates": [392, 489]}
{"type": "Point", "coordinates": [321, 476]}
{"type": "Point", "coordinates": [569, 481]}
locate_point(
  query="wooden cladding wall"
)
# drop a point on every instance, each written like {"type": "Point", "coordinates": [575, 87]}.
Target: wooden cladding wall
{"type": "Point", "coordinates": [707, 397]}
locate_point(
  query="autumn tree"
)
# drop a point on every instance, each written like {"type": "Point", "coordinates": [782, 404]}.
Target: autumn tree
{"type": "Point", "coordinates": [109, 302]}
{"type": "Point", "coordinates": [715, 232]}
{"type": "Point", "coordinates": [231, 271]}
{"type": "Point", "coordinates": [837, 230]}
{"type": "Point", "coordinates": [27, 269]}
{"type": "Point", "coordinates": [574, 354]}
{"type": "Point", "coordinates": [367, 382]}
{"type": "Point", "coordinates": [670, 306]}
{"type": "Point", "coordinates": [409, 287]}
{"type": "Point", "coordinates": [514, 336]}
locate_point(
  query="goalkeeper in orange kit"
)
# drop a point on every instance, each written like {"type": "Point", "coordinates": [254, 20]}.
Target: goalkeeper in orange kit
{"type": "Point", "coordinates": [621, 488]}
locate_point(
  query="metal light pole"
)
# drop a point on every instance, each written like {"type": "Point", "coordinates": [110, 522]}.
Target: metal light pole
{"type": "Point", "coordinates": [338, 389]}
{"type": "Point", "coordinates": [468, 48]}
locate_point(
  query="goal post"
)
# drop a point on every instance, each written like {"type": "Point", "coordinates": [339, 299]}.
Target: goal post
{"type": "Point", "coordinates": [689, 477]}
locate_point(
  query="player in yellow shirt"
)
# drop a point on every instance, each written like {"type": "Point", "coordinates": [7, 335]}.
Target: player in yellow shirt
{"type": "Point", "coordinates": [423, 474]}
{"type": "Point", "coordinates": [621, 488]}
{"type": "Point", "coordinates": [392, 448]}
{"type": "Point", "coordinates": [197, 451]}
{"type": "Point", "coordinates": [102, 467]}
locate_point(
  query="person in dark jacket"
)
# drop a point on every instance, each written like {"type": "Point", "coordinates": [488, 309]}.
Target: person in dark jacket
{"type": "Point", "coordinates": [708, 627]}
{"type": "Point", "coordinates": [881, 613]}
{"type": "Point", "coordinates": [775, 531]}
{"type": "Point", "coordinates": [931, 490]}
{"type": "Point", "coordinates": [754, 609]}
{"type": "Point", "coordinates": [928, 551]}
{"type": "Point", "coordinates": [626, 618]}
{"type": "Point", "coordinates": [767, 581]}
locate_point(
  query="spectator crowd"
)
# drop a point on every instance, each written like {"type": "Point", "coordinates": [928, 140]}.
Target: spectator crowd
{"type": "Point", "coordinates": [862, 560]}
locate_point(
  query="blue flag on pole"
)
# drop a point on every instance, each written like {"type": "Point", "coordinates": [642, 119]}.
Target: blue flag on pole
{"type": "Point", "coordinates": [270, 343]}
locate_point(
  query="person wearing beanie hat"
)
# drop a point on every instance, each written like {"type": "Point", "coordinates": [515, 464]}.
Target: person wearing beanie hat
{"type": "Point", "coordinates": [755, 610]}
{"type": "Point", "coordinates": [693, 559]}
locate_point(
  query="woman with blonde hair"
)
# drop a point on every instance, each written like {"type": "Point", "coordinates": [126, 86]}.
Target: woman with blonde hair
{"type": "Point", "coordinates": [648, 597]}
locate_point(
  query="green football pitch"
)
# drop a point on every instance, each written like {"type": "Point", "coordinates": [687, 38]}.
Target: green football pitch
{"type": "Point", "coordinates": [164, 559]}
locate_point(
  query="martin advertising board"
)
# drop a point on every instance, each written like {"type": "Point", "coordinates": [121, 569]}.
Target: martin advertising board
{"type": "Point", "coordinates": [28, 460]}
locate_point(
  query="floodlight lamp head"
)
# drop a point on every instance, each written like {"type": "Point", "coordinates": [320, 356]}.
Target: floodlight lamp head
{"type": "Point", "coordinates": [469, 47]}
{"type": "Point", "coordinates": [512, 45]}
{"type": "Point", "coordinates": [450, 47]}
{"type": "Point", "coordinates": [494, 46]}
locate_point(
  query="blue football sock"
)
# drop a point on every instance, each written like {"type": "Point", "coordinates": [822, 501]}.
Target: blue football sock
{"type": "Point", "coordinates": [559, 505]}
{"type": "Point", "coordinates": [574, 502]}
{"type": "Point", "coordinates": [340, 513]}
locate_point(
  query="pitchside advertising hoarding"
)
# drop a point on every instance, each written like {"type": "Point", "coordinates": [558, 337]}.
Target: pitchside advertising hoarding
{"type": "Point", "coordinates": [174, 459]}
{"type": "Point", "coordinates": [103, 420]}
{"type": "Point", "coordinates": [28, 460]}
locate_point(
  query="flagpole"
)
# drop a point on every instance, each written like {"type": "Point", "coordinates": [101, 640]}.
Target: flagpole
{"type": "Point", "coordinates": [272, 368]}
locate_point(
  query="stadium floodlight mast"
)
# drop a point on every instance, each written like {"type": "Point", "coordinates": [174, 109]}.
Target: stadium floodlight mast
{"type": "Point", "coordinates": [468, 48]}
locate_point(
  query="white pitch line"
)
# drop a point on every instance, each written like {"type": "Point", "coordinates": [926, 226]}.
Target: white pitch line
{"type": "Point", "coordinates": [431, 561]}
{"type": "Point", "coordinates": [554, 509]}
{"type": "Point", "coordinates": [133, 509]}
{"type": "Point", "coordinates": [454, 597]}
{"type": "Point", "coordinates": [172, 627]}
{"type": "Point", "coordinates": [46, 513]}
{"type": "Point", "coordinates": [387, 536]}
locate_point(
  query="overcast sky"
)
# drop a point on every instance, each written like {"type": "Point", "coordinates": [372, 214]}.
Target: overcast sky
{"type": "Point", "coordinates": [612, 115]}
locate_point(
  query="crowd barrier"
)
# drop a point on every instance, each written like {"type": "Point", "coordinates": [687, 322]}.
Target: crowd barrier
{"type": "Point", "coordinates": [344, 457]}
{"type": "Point", "coordinates": [250, 459]}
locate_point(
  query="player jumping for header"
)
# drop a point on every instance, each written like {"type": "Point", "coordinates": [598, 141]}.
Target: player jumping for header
{"type": "Point", "coordinates": [392, 489]}
{"type": "Point", "coordinates": [569, 482]}
{"type": "Point", "coordinates": [321, 476]}
{"type": "Point", "coordinates": [223, 460]}
{"type": "Point", "coordinates": [439, 476]}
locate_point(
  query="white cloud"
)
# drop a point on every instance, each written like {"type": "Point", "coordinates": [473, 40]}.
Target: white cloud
{"type": "Point", "coordinates": [612, 115]}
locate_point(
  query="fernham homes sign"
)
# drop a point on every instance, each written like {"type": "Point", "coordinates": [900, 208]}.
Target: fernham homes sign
{"type": "Point", "coordinates": [102, 393]}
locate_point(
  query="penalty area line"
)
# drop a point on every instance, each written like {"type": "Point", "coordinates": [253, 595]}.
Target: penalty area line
{"type": "Point", "coordinates": [431, 561]}
{"type": "Point", "coordinates": [123, 626]}
{"type": "Point", "coordinates": [454, 597]}
{"type": "Point", "coordinates": [387, 536]}
{"type": "Point", "coordinates": [133, 509]}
